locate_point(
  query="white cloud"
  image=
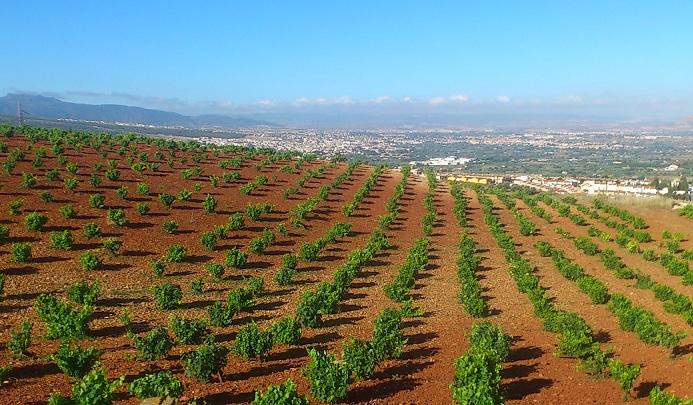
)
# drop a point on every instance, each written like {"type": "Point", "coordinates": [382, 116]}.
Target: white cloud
{"type": "Point", "coordinates": [265, 103]}
{"type": "Point", "coordinates": [407, 99]}
{"type": "Point", "coordinates": [343, 100]}
{"type": "Point", "coordinates": [459, 98]}
{"type": "Point", "coordinates": [571, 99]}
{"type": "Point", "coordinates": [382, 99]}
{"type": "Point", "coordinates": [323, 101]}
{"type": "Point", "coordinates": [437, 101]}
{"type": "Point", "coordinates": [455, 98]}
{"type": "Point", "coordinates": [503, 99]}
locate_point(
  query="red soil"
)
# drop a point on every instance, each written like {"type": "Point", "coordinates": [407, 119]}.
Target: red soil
{"type": "Point", "coordinates": [423, 373]}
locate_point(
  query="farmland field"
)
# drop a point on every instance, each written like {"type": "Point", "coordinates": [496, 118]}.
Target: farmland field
{"type": "Point", "coordinates": [243, 261]}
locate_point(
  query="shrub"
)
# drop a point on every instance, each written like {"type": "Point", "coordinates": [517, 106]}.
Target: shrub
{"type": "Point", "coordinates": [20, 340]}
{"type": "Point", "coordinates": [197, 286]}
{"type": "Point", "coordinates": [28, 180]}
{"type": "Point", "coordinates": [209, 204]}
{"type": "Point", "coordinates": [91, 230]}
{"type": "Point", "coordinates": [236, 221]}
{"type": "Point", "coordinates": [75, 362]}
{"type": "Point", "coordinates": [62, 240]}
{"type": "Point", "coordinates": [388, 340]}
{"type": "Point", "coordinates": [247, 188]}
{"type": "Point", "coordinates": [310, 251]}
{"type": "Point", "coordinates": [116, 216]}
{"type": "Point", "coordinates": [72, 168]}
{"type": "Point", "coordinates": [286, 331]}
{"type": "Point", "coordinates": [90, 261]}
{"type": "Point", "coordinates": [94, 388]}
{"type": "Point", "coordinates": [259, 244]}
{"type": "Point", "coordinates": [142, 188]}
{"type": "Point", "coordinates": [328, 379]}
{"type": "Point", "coordinates": [95, 180]}
{"type": "Point", "coordinates": [112, 245]}
{"type": "Point", "coordinates": [170, 227]}
{"type": "Point", "coordinates": [219, 314]}
{"type": "Point", "coordinates": [70, 183]}
{"type": "Point", "coordinates": [544, 248]}
{"type": "Point", "coordinates": [4, 233]}
{"type": "Point", "coordinates": [209, 241]}
{"type": "Point", "coordinates": [83, 293]}
{"type": "Point", "coordinates": [62, 320]}
{"type": "Point", "coordinates": [256, 285]}
{"type": "Point", "coordinates": [167, 295]}
{"type": "Point", "coordinates": [490, 339]}
{"type": "Point", "coordinates": [240, 299]}
{"type": "Point", "coordinates": [122, 192]}
{"type": "Point", "coordinates": [162, 384]}
{"type": "Point", "coordinates": [251, 341]}
{"type": "Point", "coordinates": [625, 375]}
{"type": "Point", "coordinates": [154, 345]}
{"type": "Point", "coordinates": [283, 394]}
{"type": "Point", "coordinates": [235, 258]}
{"type": "Point", "coordinates": [187, 331]}
{"type": "Point", "coordinates": [285, 276]}
{"type": "Point", "coordinates": [53, 174]}
{"type": "Point", "coordinates": [97, 201]}
{"type": "Point", "coordinates": [477, 380]}
{"type": "Point", "coordinates": [597, 291]}
{"type": "Point", "coordinates": [20, 252]}
{"type": "Point", "coordinates": [309, 309]}
{"type": "Point", "coordinates": [166, 199]}
{"type": "Point", "coordinates": [586, 245]}
{"type": "Point", "coordinates": [359, 357]}
{"type": "Point", "coordinates": [142, 208]}
{"type": "Point", "coordinates": [184, 195]}
{"type": "Point", "coordinates": [657, 395]}
{"type": "Point", "coordinates": [215, 270]}
{"type": "Point", "coordinates": [35, 221]}
{"type": "Point", "coordinates": [176, 253]}
{"type": "Point", "coordinates": [112, 174]}
{"type": "Point", "coordinates": [289, 261]}
{"type": "Point", "coordinates": [15, 207]}
{"type": "Point", "coordinates": [649, 255]}
{"type": "Point", "coordinates": [207, 359]}
{"type": "Point", "coordinates": [158, 266]}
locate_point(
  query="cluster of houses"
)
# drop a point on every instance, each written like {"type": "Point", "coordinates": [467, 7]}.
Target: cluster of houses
{"type": "Point", "coordinates": [567, 185]}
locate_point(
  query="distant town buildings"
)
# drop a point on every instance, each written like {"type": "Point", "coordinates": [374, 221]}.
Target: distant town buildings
{"type": "Point", "coordinates": [445, 161]}
{"type": "Point", "coordinates": [399, 145]}
{"type": "Point", "coordinates": [617, 187]}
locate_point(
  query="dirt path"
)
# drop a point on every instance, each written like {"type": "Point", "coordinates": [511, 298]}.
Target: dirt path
{"type": "Point", "coordinates": [425, 371]}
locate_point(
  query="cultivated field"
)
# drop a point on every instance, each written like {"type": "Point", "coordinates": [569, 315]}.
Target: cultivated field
{"type": "Point", "coordinates": [209, 274]}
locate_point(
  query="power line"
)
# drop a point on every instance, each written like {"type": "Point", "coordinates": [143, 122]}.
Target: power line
{"type": "Point", "coordinates": [20, 111]}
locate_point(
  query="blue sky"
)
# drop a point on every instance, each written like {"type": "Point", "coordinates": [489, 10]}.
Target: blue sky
{"type": "Point", "coordinates": [230, 56]}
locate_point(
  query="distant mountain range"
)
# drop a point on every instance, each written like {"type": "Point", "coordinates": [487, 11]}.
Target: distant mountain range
{"type": "Point", "coordinates": [52, 108]}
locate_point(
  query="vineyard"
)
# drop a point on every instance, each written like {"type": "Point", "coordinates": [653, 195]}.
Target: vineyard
{"type": "Point", "coordinates": [140, 267]}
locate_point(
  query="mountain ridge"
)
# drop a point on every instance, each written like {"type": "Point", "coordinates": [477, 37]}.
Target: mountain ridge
{"type": "Point", "coordinates": [38, 106]}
